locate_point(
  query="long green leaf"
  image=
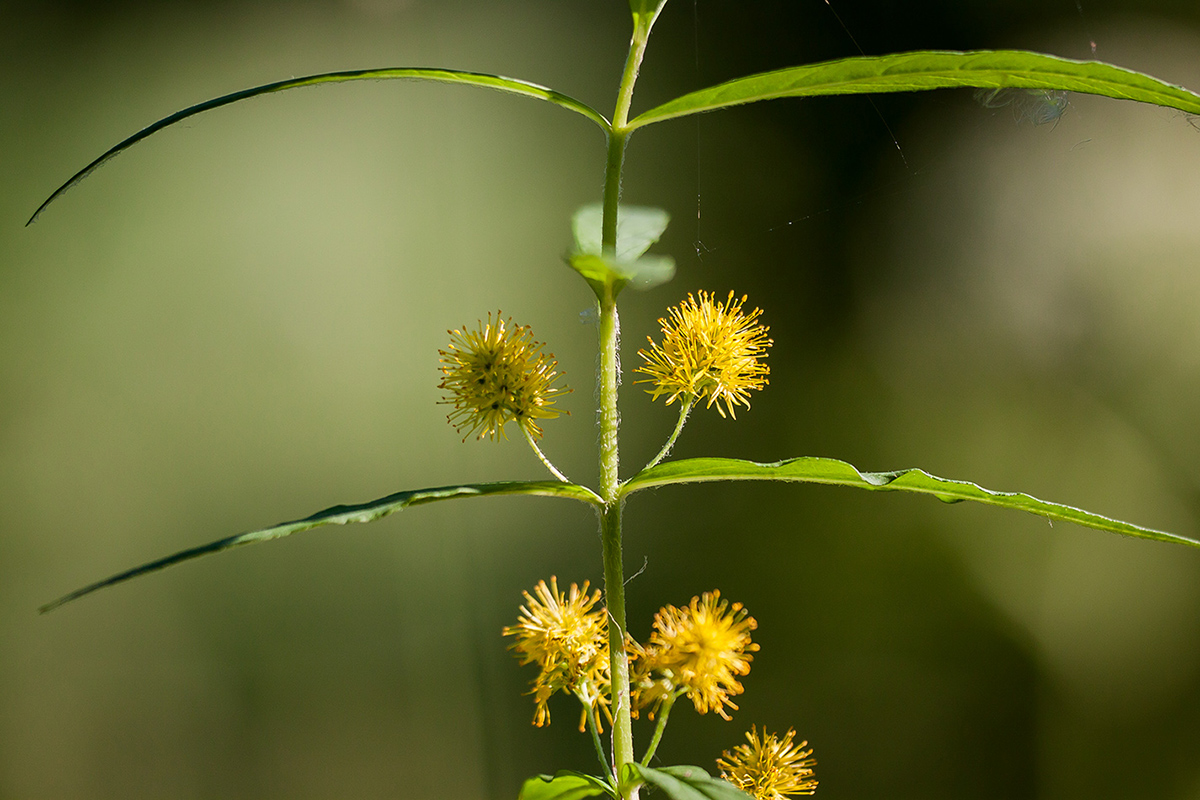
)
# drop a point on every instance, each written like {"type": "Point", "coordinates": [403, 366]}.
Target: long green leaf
{"type": "Point", "coordinates": [342, 515]}
{"type": "Point", "coordinates": [500, 83]}
{"type": "Point", "coordinates": [839, 473]}
{"type": "Point", "coordinates": [930, 69]}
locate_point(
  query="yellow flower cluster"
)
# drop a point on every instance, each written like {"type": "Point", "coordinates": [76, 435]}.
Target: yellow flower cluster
{"type": "Point", "coordinates": [709, 349]}
{"type": "Point", "coordinates": [569, 643]}
{"type": "Point", "coordinates": [698, 650]}
{"type": "Point", "coordinates": [769, 768]}
{"type": "Point", "coordinates": [497, 374]}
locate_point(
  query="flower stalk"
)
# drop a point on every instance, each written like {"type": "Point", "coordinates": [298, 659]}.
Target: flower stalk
{"type": "Point", "coordinates": [542, 456]}
{"type": "Point", "coordinates": [663, 714]}
{"type": "Point", "coordinates": [605, 767]}
{"type": "Point", "coordinates": [684, 409]}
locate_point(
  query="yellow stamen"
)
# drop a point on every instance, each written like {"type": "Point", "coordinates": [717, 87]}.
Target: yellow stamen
{"type": "Point", "coordinates": [497, 374]}
{"type": "Point", "coordinates": [769, 768]}
{"type": "Point", "coordinates": [709, 349]}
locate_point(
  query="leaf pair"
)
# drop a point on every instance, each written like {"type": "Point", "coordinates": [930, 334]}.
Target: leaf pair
{"type": "Point", "coordinates": [798, 470]}
{"type": "Point", "coordinates": [900, 72]}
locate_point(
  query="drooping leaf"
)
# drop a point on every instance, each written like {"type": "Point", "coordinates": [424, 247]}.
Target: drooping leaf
{"type": "Point", "coordinates": [342, 515]}
{"type": "Point", "coordinates": [690, 783]}
{"type": "Point", "coordinates": [638, 228]}
{"type": "Point", "coordinates": [565, 785]}
{"type": "Point", "coordinates": [931, 69]}
{"type": "Point", "coordinates": [498, 82]}
{"type": "Point", "coordinates": [834, 472]}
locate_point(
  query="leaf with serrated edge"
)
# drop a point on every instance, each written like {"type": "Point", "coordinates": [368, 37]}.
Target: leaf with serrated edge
{"type": "Point", "coordinates": [565, 785]}
{"type": "Point", "coordinates": [931, 69]}
{"type": "Point", "coordinates": [811, 469]}
{"type": "Point", "coordinates": [498, 82]}
{"type": "Point", "coordinates": [690, 783]}
{"type": "Point", "coordinates": [341, 515]}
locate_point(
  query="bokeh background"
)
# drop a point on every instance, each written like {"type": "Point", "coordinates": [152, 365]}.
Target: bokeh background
{"type": "Point", "coordinates": [237, 323]}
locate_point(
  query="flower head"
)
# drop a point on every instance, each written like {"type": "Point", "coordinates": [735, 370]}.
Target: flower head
{"type": "Point", "coordinates": [497, 374]}
{"type": "Point", "coordinates": [569, 642]}
{"type": "Point", "coordinates": [769, 768]}
{"type": "Point", "coordinates": [709, 349]}
{"type": "Point", "coordinates": [698, 650]}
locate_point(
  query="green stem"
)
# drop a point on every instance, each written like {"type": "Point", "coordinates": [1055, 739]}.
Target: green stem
{"type": "Point", "coordinates": [612, 190]}
{"type": "Point", "coordinates": [542, 456]}
{"type": "Point", "coordinates": [683, 415]}
{"type": "Point", "coordinates": [633, 63]}
{"type": "Point", "coordinates": [663, 713]}
{"type": "Point", "coordinates": [610, 370]}
{"type": "Point", "coordinates": [619, 136]}
{"type": "Point", "coordinates": [610, 535]}
{"type": "Point", "coordinates": [610, 520]}
{"type": "Point", "coordinates": [614, 597]}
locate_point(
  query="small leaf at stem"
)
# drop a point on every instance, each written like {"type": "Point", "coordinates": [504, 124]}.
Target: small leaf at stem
{"type": "Point", "coordinates": [644, 273]}
{"type": "Point", "coordinates": [598, 271]}
{"type": "Point", "coordinates": [649, 271]}
{"type": "Point", "coordinates": [638, 227]}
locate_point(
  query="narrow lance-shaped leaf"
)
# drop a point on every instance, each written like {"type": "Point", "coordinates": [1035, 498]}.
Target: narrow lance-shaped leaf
{"type": "Point", "coordinates": [498, 82]}
{"type": "Point", "coordinates": [341, 515]}
{"type": "Point", "coordinates": [931, 69]}
{"type": "Point", "coordinates": [839, 473]}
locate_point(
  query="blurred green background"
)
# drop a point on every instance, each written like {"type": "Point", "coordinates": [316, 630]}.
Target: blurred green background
{"type": "Point", "coordinates": [237, 323]}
